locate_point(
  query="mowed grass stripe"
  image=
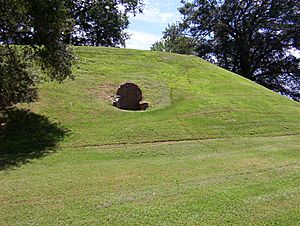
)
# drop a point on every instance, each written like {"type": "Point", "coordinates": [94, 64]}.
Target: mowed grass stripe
{"type": "Point", "coordinates": [154, 142]}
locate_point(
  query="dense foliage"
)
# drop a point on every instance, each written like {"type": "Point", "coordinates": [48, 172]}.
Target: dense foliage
{"type": "Point", "coordinates": [102, 22]}
{"type": "Point", "coordinates": [17, 82]}
{"type": "Point", "coordinates": [41, 26]}
{"type": "Point", "coordinates": [173, 40]}
{"type": "Point", "coordinates": [253, 38]}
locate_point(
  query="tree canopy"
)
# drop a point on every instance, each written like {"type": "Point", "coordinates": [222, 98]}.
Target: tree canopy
{"type": "Point", "coordinates": [253, 38]}
{"type": "Point", "coordinates": [41, 26]}
{"type": "Point", "coordinates": [175, 41]}
{"type": "Point", "coordinates": [102, 22]}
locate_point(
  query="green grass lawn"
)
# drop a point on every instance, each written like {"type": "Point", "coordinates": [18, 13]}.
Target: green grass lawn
{"type": "Point", "coordinates": [212, 149]}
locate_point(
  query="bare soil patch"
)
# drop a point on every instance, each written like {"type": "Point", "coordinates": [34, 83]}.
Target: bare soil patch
{"type": "Point", "coordinates": [105, 91]}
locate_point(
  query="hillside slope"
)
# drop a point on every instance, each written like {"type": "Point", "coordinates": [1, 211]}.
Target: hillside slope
{"type": "Point", "coordinates": [212, 148]}
{"type": "Point", "coordinates": [189, 99]}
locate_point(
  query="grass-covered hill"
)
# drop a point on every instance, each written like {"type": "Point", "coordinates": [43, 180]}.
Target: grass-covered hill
{"type": "Point", "coordinates": [213, 148]}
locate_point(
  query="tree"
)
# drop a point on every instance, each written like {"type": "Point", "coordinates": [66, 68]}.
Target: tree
{"type": "Point", "coordinates": [174, 41]}
{"type": "Point", "coordinates": [102, 22]}
{"type": "Point", "coordinates": [17, 82]}
{"type": "Point", "coordinates": [41, 25]}
{"type": "Point", "coordinates": [250, 37]}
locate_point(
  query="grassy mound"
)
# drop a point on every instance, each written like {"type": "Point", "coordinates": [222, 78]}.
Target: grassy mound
{"type": "Point", "coordinates": [212, 148]}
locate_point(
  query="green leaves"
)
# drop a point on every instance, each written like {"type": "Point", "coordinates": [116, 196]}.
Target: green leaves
{"type": "Point", "coordinates": [41, 28]}
{"type": "Point", "coordinates": [17, 80]}
{"type": "Point", "coordinates": [102, 23]}
{"type": "Point", "coordinates": [251, 38]}
{"type": "Point", "coordinates": [174, 41]}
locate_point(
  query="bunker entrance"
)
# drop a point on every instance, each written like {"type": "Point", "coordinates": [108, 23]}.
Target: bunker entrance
{"type": "Point", "coordinates": [129, 97]}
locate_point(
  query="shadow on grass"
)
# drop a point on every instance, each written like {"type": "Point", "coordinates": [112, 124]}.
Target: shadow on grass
{"type": "Point", "coordinates": [25, 135]}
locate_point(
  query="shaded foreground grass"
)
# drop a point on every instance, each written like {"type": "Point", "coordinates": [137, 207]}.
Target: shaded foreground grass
{"type": "Point", "coordinates": [213, 148]}
{"type": "Point", "coordinates": [25, 136]}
